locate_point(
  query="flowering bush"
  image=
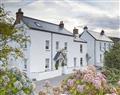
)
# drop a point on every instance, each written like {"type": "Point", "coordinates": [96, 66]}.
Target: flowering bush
{"type": "Point", "coordinates": [88, 82]}
{"type": "Point", "coordinates": [14, 82]}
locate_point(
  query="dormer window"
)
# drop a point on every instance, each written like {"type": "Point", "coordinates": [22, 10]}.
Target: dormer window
{"type": "Point", "coordinates": [38, 24]}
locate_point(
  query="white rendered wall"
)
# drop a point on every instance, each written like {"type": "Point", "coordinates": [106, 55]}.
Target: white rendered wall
{"type": "Point", "coordinates": [90, 46]}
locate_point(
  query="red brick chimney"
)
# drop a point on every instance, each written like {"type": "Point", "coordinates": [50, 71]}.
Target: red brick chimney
{"type": "Point", "coordinates": [61, 25]}
{"type": "Point", "coordinates": [19, 16]}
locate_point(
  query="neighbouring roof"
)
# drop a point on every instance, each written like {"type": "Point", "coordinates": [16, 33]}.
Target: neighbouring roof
{"type": "Point", "coordinates": [115, 39]}
{"type": "Point", "coordinates": [99, 37]}
{"type": "Point", "coordinates": [79, 40]}
{"type": "Point", "coordinates": [45, 26]}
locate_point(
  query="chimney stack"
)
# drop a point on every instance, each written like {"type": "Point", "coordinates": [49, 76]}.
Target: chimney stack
{"type": "Point", "coordinates": [61, 25]}
{"type": "Point", "coordinates": [19, 16]}
{"type": "Point", "coordinates": [85, 28]}
{"type": "Point", "coordinates": [102, 32]}
{"type": "Point", "coordinates": [75, 32]}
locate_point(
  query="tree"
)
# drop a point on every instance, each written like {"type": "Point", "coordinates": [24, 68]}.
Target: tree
{"type": "Point", "coordinates": [10, 34]}
{"type": "Point", "coordinates": [112, 64]}
{"type": "Point", "coordinates": [112, 58]}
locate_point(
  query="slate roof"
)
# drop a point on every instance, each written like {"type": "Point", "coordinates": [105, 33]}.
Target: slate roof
{"type": "Point", "coordinates": [97, 36]}
{"type": "Point", "coordinates": [79, 40]}
{"type": "Point", "coordinates": [45, 26]}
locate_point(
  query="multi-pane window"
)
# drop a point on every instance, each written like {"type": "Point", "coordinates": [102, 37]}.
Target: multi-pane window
{"type": "Point", "coordinates": [47, 44]}
{"type": "Point", "coordinates": [66, 45]}
{"type": "Point", "coordinates": [57, 45]}
{"type": "Point", "coordinates": [104, 46]}
{"type": "Point", "coordinates": [81, 48]}
{"type": "Point", "coordinates": [81, 61]}
{"type": "Point", "coordinates": [100, 46]}
{"type": "Point", "coordinates": [101, 58]}
{"type": "Point", "coordinates": [25, 63]}
{"type": "Point", "coordinates": [47, 64]}
{"type": "Point", "coordinates": [75, 61]}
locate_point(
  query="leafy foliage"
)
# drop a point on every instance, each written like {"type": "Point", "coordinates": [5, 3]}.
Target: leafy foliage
{"type": "Point", "coordinates": [112, 75]}
{"type": "Point", "coordinates": [10, 34]}
{"type": "Point", "coordinates": [112, 57]}
{"type": "Point", "coordinates": [14, 82]}
{"type": "Point", "coordinates": [88, 82]}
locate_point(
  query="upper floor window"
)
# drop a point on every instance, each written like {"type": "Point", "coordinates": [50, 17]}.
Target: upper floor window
{"type": "Point", "coordinates": [101, 58]}
{"type": "Point", "coordinates": [109, 45]}
{"type": "Point", "coordinates": [57, 45]}
{"type": "Point", "coordinates": [47, 63]}
{"type": "Point", "coordinates": [66, 45]}
{"type": "Point", "coordinates": [81, 48]}
{"type": "Point", "coordinates": [100, 46]}
{"type": "Point", "coordinates": [104, 46]}
{"type": "Point", "coordinates": [81, 61]}
{"type": "Point", "coordinates": [47, 44]}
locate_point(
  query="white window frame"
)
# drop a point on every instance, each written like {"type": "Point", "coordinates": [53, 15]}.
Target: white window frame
{"type": "Point", "coordinates": [66, 45]}
{"type": "Point", "coordinates": [47, 44]}
{"type": "Point", "coordinates": [57, 45]}
{"type": "Point", "coordinates": [81, 48]}
{"type": "Point", "coordinates": [47, 63]}
{"type": "Point", "coordinates": [75, 62]}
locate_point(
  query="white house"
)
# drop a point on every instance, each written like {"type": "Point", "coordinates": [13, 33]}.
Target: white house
{"type": "Point", "coordinates": [51, 46]}
{"type": "Point", "coordinates": [97, 44]}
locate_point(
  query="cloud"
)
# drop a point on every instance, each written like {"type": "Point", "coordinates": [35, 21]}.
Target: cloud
{"type": "Point", "coordinates": [96, 14]}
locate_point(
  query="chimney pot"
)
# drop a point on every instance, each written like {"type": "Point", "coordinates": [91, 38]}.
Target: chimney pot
{"type": "Point", "coordinates": [61, 25]}
{"type": "Point", "coordinates": [102, 32]}
{"type": "Point", "coordinates": [85, 28]}
{"type": "Point", "coordinates": [75, 31]}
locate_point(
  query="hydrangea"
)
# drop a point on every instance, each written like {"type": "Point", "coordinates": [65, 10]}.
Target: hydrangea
{"type": "Point", "coordinates": [88, 82]}
{"type": "Point", "coordinates": [15, 82]}
{"type": "Point", "coordinates": [18, 85]}
{"type": "Point", "coordinates": [5, 78]}
{"type": "Point", "coordinates": [80, 88]}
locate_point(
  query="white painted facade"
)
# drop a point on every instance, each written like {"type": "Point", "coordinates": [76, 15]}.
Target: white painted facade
{"type": "Point", "coordinates": [96, 47]}
{"type": "Point", "coordinates": [38, 54]}
{"type": "Point", "coordinates": [46, 39]}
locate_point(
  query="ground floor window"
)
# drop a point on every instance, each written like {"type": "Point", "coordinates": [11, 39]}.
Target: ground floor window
{"type": "Point", "coordinates": [47, 63]}
{"type": "Point", "coordinates": [75, 62]}
{"type": "Point", "coordinates": [101, 58]}
{"type": "Point", "coordinates": [81, 61]}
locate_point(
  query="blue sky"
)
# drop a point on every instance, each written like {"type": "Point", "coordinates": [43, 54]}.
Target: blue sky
{"type": "Point", "coordinates": [96, 14]}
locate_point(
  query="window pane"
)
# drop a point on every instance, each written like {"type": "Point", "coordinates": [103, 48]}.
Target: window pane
{"type": "Point", "coordinates": [81, 48]}
{"type": "Point", "coordinates": [75, 63]}
{"type": "Point", "coordinates": [47, 44]}
{"type": "Point", "coordinates": [57, 45]}
{"type": "Point", "coordinates": [81, 61]}
{"type": "Point", "coordinates": [47, 64]}
{"type": "Point", "coordinates": [66, 45]}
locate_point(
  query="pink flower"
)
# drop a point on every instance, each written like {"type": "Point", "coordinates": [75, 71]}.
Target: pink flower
{"type": "Point", "coordinates": [80, 88]}
{"type": "Point", "coordinates": [70, 82]}
{"type": "Point", "coordinates": [88, 77]}
{"type": "Point", "coordinates": [97, 83]}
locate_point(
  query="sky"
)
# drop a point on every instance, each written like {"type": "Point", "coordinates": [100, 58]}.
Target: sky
{"type": "Point", "coordinates": [97, 15]}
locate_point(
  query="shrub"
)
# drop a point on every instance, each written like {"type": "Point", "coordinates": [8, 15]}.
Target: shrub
{"type": "Point", "coordinates": [88, 82]}
{"type": "Point", "coordinates": [112, 57]}
{"type": "Point", "coordinates": [14, 82]}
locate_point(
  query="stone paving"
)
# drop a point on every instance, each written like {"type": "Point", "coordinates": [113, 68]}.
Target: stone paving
{"type": "Point", "coordinates": [53, 81]}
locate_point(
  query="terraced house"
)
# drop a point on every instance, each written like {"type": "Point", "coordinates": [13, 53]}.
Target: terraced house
{"type": "Point", "coordinates": [98, 44]}
{"type": "Point", "coordinates": [53, 50]}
